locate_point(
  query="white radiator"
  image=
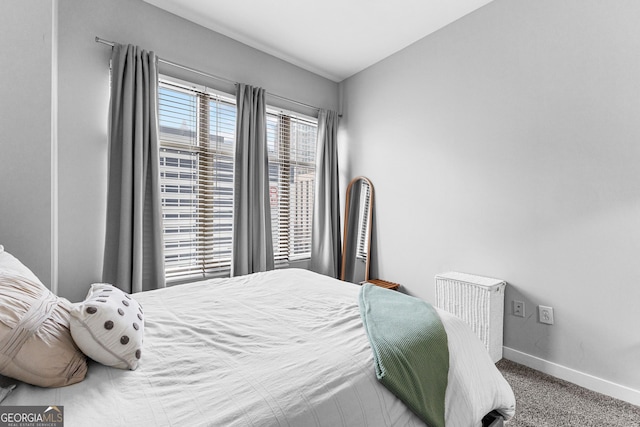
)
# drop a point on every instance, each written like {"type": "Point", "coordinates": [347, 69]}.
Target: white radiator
{"type": "Point", "coordinates": [477, 300]}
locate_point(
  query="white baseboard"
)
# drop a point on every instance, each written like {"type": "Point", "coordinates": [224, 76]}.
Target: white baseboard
{"type": "Point", "coordinates": [576, 377]}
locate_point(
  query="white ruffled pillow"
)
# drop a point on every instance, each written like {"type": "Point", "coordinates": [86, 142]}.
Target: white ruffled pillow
{"type": "Point", "coordinates": [36, 323]}
{"type": "Point", "coordinates": [108, 326]}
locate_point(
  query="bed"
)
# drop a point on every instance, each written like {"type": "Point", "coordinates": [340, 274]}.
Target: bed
{"type": "Point", "coordinates": [280, 348]}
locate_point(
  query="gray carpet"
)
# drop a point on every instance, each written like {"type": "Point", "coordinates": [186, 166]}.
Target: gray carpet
{"type": "Point", "coordinates": [542, 400]}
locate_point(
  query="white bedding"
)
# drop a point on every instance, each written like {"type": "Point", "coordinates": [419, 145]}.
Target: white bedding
{"type": "Point", "coordinates": [282, 348]}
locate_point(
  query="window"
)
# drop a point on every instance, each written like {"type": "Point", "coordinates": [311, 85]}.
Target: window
{"type": "Point", "coordinates": [197, 139]}
{"type": "Point", "coordinates": [291, 144]}
{"type": "Point", "coordinates": [197, 133]}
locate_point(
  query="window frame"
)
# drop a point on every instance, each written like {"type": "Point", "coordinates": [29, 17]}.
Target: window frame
{"type": "Point", "coordinates": [292, 218]}
{"type": "Point", "coordinates": [200, 264]}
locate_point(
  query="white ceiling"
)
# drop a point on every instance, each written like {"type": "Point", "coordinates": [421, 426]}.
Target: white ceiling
{"type": "Point", "coordinates": [332, 38]}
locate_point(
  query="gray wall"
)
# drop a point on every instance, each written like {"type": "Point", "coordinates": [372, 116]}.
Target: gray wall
{"type": "Point", "coordinates": [26, 159]}
{"type": "Point", "coordinates": [507, 145]}
{"type": "Point", "coordinates": [28, 205]}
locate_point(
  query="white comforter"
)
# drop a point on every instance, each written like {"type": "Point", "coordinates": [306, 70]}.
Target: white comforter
{"type": "Point", "coordinates": [283, 348]}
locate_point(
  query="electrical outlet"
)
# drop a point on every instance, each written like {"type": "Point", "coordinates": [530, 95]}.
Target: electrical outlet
{"type": "Point", "coordinates": [546, 314]}
{"type": "Point", "coordinates": [518, 308]}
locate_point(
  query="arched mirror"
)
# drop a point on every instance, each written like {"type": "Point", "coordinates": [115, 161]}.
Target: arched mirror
{"type": "Point", "coordinates": [356, 246]}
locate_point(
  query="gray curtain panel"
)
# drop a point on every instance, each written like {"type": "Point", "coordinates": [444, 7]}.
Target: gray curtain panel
{"type": "Point", "coordinates": [133, 255]}
{"type": "Point", "coordinates": [326, 250]}
{"type": "Point", "coordinates": [252, 241]}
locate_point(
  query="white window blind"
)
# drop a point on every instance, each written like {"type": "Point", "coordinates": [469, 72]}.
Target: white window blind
{"type": "Point", "coordinates": [197, 139]}
{"type": "Point", "coordinates": [291, 142]}
{"type": "Point", "coordinates": [197, 133]}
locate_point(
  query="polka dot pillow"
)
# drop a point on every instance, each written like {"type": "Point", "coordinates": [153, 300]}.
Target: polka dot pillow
{"type": "Point", "coordinates": [108, 327]}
